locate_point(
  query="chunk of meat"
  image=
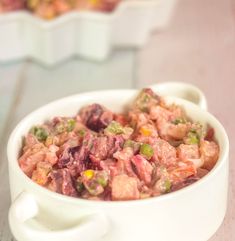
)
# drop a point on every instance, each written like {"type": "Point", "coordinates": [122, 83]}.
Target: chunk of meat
{"type": "Point", "coordinates": [100, 148]}
{"type": "Point", "coordinates": [31, 157]}
{"type": "Point", "coordinates": [62, 182]}
{"type": "Point", "coordinates": [209, 153]}
{"type": "Point", "coordinates": [30, 141]}
{"type": "Point", "coordinates": [143, 168]}
{"type": "Point", "coordinates": [176, 132]}
{"type": "Point", "coordinates": [186, 152]}
{"type": "Point", "coordinates": [124, 161]}
{"type": "Point", "coordinates": [105, 146]}
{"type": "Point", "coordinates": [124, 188]}
{"type": "Point", "coordinates": [110, 165]}
{"type": "Point", "coordinates": [166, 128]}
{"type": "Point", "coordinates": [159, 113]}
{"type": "Point", "coordinates": [85, 147]}
{"type": "Point", "coordinates": [190, 153]}
{"type": "Point", "coordinates": [115, 144]}
{"type": "Point", "coordinates": [69, 159]}
{"type": "Point", "coordinates": [137, 119]}
{"type": "Point", "coordinates": [170, 131]}
{"type": "Point", "coordinates": [125, 154]}
{"type": "Point", "coordinates": [96, 117]}
{"type": "Point", "coordinates": [51, 155]}
{"type": "Point", "coordinates": [164, 153]}
{"type": "Point", "coordinates": [182, 171]}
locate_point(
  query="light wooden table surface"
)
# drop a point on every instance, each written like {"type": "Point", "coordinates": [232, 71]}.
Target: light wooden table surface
{"type": "Point", "coordinates": [198, 47]}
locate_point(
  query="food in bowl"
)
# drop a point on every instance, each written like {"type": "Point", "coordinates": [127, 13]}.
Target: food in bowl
{"type": "Point", "coordinates": [150, 150]}
{"type": "Point", "coordinates": [49, 9]}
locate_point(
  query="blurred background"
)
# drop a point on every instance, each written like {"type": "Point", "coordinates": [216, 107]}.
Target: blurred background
{"type": "Point", "coordinates": [197, 45]}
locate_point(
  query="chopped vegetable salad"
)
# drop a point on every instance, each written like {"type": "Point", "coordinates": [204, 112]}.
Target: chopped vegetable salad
{"type": "Point", "coordinates": [150, 150]}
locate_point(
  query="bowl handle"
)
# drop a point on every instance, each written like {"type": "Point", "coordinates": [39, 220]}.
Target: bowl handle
{"type": "Point", "coordinates": [25, 208]}
{"type": "Point", "coordinates": [182, 90]}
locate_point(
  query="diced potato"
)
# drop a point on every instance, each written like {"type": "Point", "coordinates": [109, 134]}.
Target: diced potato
{"type": "Point", "coordinates": [186, 152]}
{"type": "Point", "coordinates": [40, 175]}
{"type": "Point", "coordinates": [124, 188]}
{"type": "Point", "coordinates": [209, 153]}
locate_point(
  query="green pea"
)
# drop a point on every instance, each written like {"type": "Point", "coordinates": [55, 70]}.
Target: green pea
{"type": "Point", "coordinates": [81, 133]}
{"type": "Point", "coordinates": [94, 188]}
{"type": "Point", "coordinates": [102, 181]}
{"type": "Point", "coordinates": [102, 178]}
{"type": "Point", "coordinates": [132, 144]}
{"type": "Point", "coordinates": [193, 137]}
{"type": "Point", "coordinates": [146, 150]}
{"type": "Point", "coordinates": [70, 124]}
{"type": "Point", "coordinates": [79, 185]}
{"type": "Point", "coordinates": [142, 101]}
{"type": "Point", "coordinates": [60, 128]}
{"type": "Point", "coordinates": [114, 128]}
{"type": "Point", "coordinates": [129, 143]}
{"type": "Point", "coordinates": [179, 121]}
{"type": "Point", "coordinates": [40, 133]}
{"type": "Point", "coordinates": [167, 185]}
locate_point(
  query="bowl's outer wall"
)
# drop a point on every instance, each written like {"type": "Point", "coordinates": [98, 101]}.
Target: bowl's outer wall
{"type": "Point", "coordinates": [192, 214]}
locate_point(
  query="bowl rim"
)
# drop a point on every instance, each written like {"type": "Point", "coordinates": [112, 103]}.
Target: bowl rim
{"type": "Point", "coordinates": [16, 134]}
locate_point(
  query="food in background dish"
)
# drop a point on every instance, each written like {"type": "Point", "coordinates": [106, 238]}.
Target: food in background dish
{"type": "Point", "coordinates": [150, 150]}
{"type": "Point", "coordinates": [11, 5]}
{"type": "Point", "coordinates": [49, 9]}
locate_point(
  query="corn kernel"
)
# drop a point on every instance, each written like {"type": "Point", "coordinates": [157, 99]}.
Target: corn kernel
{"type": "Point", "coordinates": [94, 2]}
{"type": "Point", "coordinates": [145, 132]}
{"type": "Point", "coordinates": [88, 174]}
{"type": "Point", "coordinates": [49, 141]}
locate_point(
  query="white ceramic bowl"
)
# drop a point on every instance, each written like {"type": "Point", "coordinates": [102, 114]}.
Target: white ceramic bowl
{"type": "Point", "coordinates": [191, 214]}
{"type": "Point", "coordinates": [87, 34]}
